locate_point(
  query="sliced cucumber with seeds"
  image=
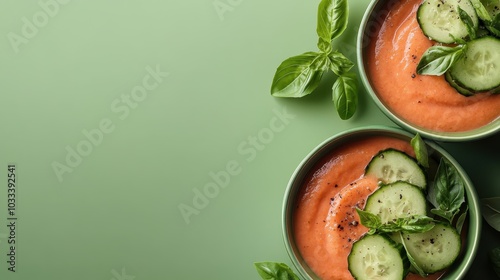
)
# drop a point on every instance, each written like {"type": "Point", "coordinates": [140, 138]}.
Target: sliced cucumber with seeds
{"type": "Point", "coordinates": [440, 20]}
{"type": "Point", "coordinates": [378, 257]}
{"type": "Point", "coordinates": [455, 85]}
{"type": "Point", "coordinates": [396, 200]}
{"type": "Point", "coordinates": [436, 249]}
{"type": "Point", "coordinates": [492, 7]}
{"type": "Point", "coordinates": [479, 69]}
{"type": "Point", "coordinates": [391, 165]}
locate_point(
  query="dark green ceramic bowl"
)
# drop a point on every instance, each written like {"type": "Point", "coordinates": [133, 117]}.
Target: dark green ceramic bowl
{"type": "Point", "coordinates": [457, 271]}
{"type": "Point", "coordinates": [370, 23]}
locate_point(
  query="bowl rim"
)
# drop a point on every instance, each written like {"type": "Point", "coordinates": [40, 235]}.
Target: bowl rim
{"type": "Point", "coordinates": [295, 183]}
{"type": "Point", "coordinates": [470, 135]}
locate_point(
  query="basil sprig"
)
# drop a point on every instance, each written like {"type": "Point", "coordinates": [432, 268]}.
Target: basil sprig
{"type": "Point", "coordinates": [275, 271]}
{"type": "Point", "coordinates": [411, 224]}
{"type": "Point", "coordinates": [300, 75]}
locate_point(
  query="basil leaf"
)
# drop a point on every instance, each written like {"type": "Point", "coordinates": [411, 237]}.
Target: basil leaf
{"type": "Point", "coordinates": [339, 64]}
{"type": "Point", "coordinates": [345, 95]}
{"type": "Point", "coordinates": [494, 25]}
{"type": "Point", "coordinates": [491, 211]}
{"type": "Point", "coordinates": [431, 195]}
{"type": "Point", "coordinates": [332, 20]}
{"type": "Point", "coordinates": [412, 224]}
{"type": "Point", "coordinates": [417, 224]}
{"type": "Point", "coordinates": [481, 11]}
{"type": "Point", "coordinates": [299, 75]}
{"type": "Point", "coordinates": [496, 22]}
{"type": "Point", "coordinates": [461, 219]}
{"type": "Point", "coordinates": [413, 263]}
{"type": "Point", "coordinates": [467, 20]}
{"type": "Point", "coordinates": [438, 59]}
{"type": "Point", "coordinates": [420, 149]}
{"type": "Point", "coordinates": [458, 40]}
{"type": "Point", "coordinates": [368, 219]}
{"type": "Point", "coordinates": [495, 259]}
{"type": "Point", "coordinates": [449, 190]}
{"type": "Point", "coordinates": [448, 215]}
{"type": "Point", "coordinates": [275, 271]}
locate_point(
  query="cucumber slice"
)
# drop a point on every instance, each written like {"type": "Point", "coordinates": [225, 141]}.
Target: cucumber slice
{"type": "Point", "coordinates": [492, 7]}
{"type": "Point", "coordinates": [479, 69]}
{"type": "Point", "coordinates": [377, 257]}
{"type": "Point", "coordinates": [436, 249]}
{"type": "Point", "coordinates": [396, 200]}
{"type": "Point", "coordinates": [391, 165]}
{"type": "Point", "coordinates": [440, 21]}
{"type": "Point", "coordinates": [458, 87]}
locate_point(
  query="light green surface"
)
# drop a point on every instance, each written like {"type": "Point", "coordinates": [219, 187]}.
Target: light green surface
{"type": "Point", "coordinates": [117, 213]}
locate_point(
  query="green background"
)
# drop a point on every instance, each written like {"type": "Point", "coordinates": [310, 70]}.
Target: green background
{"type": "Point", "coordinates": [116, 214]}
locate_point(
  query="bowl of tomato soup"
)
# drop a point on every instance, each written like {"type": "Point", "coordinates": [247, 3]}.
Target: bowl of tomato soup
{"type": "Point", "coordinates": [320, 222]}
{"type": "Point", "coordinates": [389, 48]}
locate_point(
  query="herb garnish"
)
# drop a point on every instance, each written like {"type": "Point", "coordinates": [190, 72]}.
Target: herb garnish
{"type": "Point", "coordinates": [447, 193]}
{"type": "Point", "coordinates": [491, 23]}
{"type": "Point", "coordinates": [275, 271]}
{"type": "Point", "coordinates": [300, 75]}
{"type": "Point", "coordinates": [411, 224]}
{"type": "Point", "coordinates": [438, 59]}
{"type": "Point", "coordinates": [413, 263]}
{"type": "Point", "coordinates": [420, 150]}
{"type": "Point", "coordinates": [469, 24]}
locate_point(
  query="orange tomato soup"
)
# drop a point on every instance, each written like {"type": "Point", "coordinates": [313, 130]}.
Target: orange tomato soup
{"type": "Point", "coordinates": [426, 101]}
{"type": "Point", "coordinates": [325, 221]}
